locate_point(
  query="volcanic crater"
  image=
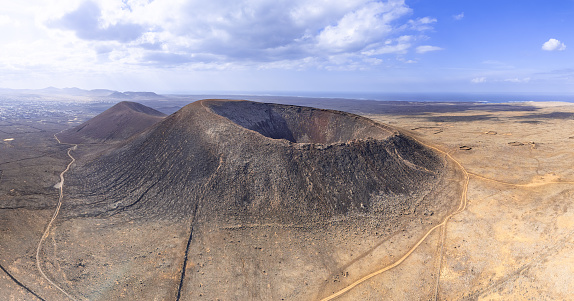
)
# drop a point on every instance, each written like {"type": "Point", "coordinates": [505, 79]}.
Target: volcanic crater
{"type": "Point", "coordinates": [300, 124]}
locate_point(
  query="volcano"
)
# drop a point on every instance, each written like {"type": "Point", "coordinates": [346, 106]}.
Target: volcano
{"type": "Point", "coordinates": [254, 161]}
{"type": "Point", "coordinates": [117, 123]}
{"type": "Point", "coordinates": [239, 200]}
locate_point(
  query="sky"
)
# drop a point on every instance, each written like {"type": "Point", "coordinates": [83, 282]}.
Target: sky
{"type": "Point", "coordinates": [367, 46]}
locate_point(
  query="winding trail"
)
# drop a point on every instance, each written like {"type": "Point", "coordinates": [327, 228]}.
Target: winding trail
{"type": "Point", "coordinates": [461, 208]}
{"type": "Point", "coordinates": [54, 216]}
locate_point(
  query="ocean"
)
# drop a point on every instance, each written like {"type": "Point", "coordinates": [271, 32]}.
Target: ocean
{"type": "Point", "coordinates": [431, 97]}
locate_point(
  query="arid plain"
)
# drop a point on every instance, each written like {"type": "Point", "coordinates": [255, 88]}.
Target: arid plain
{"type": "Point", "coordinates": [507, 235]}
{"type": "Point", "coordinates": [514, 241]}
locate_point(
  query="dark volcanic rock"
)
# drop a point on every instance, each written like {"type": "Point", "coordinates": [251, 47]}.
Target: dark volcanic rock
{"type": "Point", "coordinates": [243, 161]}
{"type": "Point", "coordinates": [117, 123]}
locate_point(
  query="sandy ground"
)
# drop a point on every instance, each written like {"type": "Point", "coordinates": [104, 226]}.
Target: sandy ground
{"type": "Point", "coordinates": [515, 239]}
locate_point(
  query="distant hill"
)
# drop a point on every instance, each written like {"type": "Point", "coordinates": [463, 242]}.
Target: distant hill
{"type": "Point", "coordinates": [118, 123]}
{"type": "Point", "coordinates": [50, 90]}
{"type": "Point", "coordinates": [119, 95]}
{"type": "Point", "coordinates": [135, 95]}
{"type": "Point", "coordinates": [73, 91]}
{"type": "Point", "coordinates": [142, 94]}
{"type": "Point", "coordinates": [99, 94]}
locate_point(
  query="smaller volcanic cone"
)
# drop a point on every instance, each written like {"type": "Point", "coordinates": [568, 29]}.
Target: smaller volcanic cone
{"type": "Point", "coordinates": [117, 123]}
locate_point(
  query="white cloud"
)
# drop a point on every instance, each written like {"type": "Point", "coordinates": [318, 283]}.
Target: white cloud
{"type": "Point", "coordinates": [422, 24]}
{"type": "Point", "coordinates": [6, 20]}
{"type": "Point", "coordinates": [106, 36]}
{"type": "Point", "coordinates": [245, 31]}
{"type": "Point", "coordinates": [459, 16]}
{"type": "Point", "coordinates": [400, 59]}
{"type": "Point", "coordinates": [399, 46]}
{"type": "Point", "coordinates": [427, 48]}
{"type": "Point", "coordinates": [478, 80]}
{"type": "Point", "coordinates": [356, 29]}
{"type": "Point", "coordinates": [553, 45]}
{"type": "Point", "coordinates": [86, 23]}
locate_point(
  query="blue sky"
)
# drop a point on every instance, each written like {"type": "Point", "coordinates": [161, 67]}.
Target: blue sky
{"type": "Point", "coordinates": [195, 46]}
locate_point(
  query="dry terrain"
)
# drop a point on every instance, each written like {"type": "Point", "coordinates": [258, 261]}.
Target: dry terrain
{"type": "Point", "coordinates": [506, 212]}
{"type": "Point", "coordinates": [514, 241]}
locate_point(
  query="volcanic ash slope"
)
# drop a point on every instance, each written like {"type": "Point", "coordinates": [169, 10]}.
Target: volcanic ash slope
{"type": "Point", "coordinates": [273, 199]}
